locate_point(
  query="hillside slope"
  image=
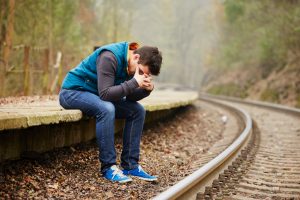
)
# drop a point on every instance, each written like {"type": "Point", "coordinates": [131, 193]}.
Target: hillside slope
{"type": "Point", "coordinates": [280, 86]}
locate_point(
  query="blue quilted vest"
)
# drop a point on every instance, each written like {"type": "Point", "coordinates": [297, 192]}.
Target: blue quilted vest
{"type": "Point", "coordinates": [84, 76]}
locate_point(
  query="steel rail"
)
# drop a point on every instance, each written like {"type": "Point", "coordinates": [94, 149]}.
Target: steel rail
{"type": "Point", "coordinates": [184, 185]}
{"type": "Point", "coordinates": [254, 103]}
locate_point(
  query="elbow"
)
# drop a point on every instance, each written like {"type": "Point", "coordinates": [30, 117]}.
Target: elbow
{"type": "Point", "coordinates": [103, 96]}
{"type": "Point", "coordinates": [104, 99]}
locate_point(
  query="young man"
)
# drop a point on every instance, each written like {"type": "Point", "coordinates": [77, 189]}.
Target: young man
{"type": "Point", "coordinates": [107, 85]}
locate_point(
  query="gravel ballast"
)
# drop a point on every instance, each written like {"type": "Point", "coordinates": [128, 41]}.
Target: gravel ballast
{"type": "Point", "coordinates": [168, 149]}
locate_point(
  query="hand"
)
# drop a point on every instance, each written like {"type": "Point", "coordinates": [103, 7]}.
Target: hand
{"type": "Point", "coordinates": [150, 87]}
{"type": "Point", "coordinates": [148, 79]}
{"type": "Point", "coordinates": [143, 80]}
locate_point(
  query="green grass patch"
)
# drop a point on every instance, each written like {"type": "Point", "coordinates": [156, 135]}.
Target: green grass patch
{"type": "Point", "coordinates": [229, 89]}
{"type": "Point", "coordinates": [270, 95]}
{"type": "Point", "coordinates": [298, 102]}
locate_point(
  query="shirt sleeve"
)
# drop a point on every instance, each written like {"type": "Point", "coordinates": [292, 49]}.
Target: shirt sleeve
{"type": "Point", "coordinates": [138, 94]}
{"type": "Point", "coordinates": [106, 71]}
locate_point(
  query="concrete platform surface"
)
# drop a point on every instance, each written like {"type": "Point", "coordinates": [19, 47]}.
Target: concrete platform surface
{"type": "Point", "coordinates": [17, 116]}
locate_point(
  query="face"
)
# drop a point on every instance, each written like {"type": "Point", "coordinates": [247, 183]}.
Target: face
{"type": "Point", "coordinates": [143, 69]}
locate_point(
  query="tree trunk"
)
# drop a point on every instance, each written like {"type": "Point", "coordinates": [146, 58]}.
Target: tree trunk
{"type": "Point", "coordinates": [3, 8]}
{"type": "Point", "coordinates": [46, 71]}
{"type": "Point", "coordinates": [3, 15]}
{"type": "Point", "coordinates": [6, 36]}
{"type": "Point", "coordinates": [50, 42]}
{"type": "Point", "coordinates": [26, 71]}
{"type": "Point", "coordinates": [9, 32]}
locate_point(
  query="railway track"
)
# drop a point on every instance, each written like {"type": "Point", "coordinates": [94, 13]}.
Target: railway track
{"type": "Point", "coordinates": [263, 162]}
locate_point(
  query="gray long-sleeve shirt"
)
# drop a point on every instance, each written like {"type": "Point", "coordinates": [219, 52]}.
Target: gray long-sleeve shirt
{"type": "Point", "coordinates": [106, 71]}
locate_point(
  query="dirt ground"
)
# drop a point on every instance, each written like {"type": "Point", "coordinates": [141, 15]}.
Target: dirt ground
{"type": "Point", "coordinates": [167, 149]}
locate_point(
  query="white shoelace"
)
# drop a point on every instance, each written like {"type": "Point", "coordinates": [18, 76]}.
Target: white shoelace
{"type": "Point", "coordinates": [117, 171]}
{"type": "Point", "coordinates": [140, 168]}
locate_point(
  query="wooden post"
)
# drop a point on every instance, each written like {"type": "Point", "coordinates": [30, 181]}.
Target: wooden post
{"type": "Point", "coordinates": [2, 79]}
{"type": "Point", "coordinates": [26, 70]}
{"type": "Point", "coordinates": [60, 77]}
{"type": "Point", "coordinates": [57, 69]}
{"type": "Point", "coordinates": [46, 71]}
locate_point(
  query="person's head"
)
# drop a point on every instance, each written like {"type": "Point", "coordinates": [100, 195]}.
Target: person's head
{"type": "Point", "coordinates": [147, 58]}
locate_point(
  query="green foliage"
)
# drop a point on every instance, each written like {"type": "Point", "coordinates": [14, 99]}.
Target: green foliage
{"type": "Point", "coordinates": [272, 54]}
{"type": "Point", "coordinates": [229, 89]}
{"type": "Point", "coordinates": [270, 95]}
{"type": "Point", "coordinates": [234, 9]}
{"type": "Point", "coordinates": [36, 21]}
{"type": "Point", "coordinates": [298, 101]}
{"type": "Point", "coordinates": [263, 32]}
{"type": "Point", "coordinates": [72, 27]}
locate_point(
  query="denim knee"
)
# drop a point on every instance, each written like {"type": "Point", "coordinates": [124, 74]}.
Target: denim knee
{"type": "Point", "coordinates": [107, 110]}
{"type": "Point", "coordinates": [62, 99]}
{"type": "Point", "coordinates": [140, 110]}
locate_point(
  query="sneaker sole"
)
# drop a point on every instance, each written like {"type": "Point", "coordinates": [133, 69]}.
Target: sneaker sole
{"type": "Point", "coordinates": [125, 181]}
{"type": "Point", "coordinates": [145, 179]}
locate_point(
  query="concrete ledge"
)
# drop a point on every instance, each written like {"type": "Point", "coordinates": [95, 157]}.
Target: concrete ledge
{"type": "Point", "coordinates": [42, 126]}
{"type": "Point", "coordinates": [50, 112]}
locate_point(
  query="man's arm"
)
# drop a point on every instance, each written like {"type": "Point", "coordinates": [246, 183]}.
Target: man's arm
{"type": "Point", "coordinates": [138, 94]}
{"type": "Point", "coordinates": [106, 70]}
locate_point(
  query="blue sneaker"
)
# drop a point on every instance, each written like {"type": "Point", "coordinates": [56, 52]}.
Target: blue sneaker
{"type": "Point", "coordinates": [140, 173]}
{"type": "Point", "coordinates": [116, 175]}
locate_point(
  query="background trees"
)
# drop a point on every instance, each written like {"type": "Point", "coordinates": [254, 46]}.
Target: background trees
{"type": "Point", "coordinates": [200, 40]}
{"type": "Point", "coordinates": [264, 33]}
{"type": "Point", "coordinates": [259, 55]}
{"type": "Point", "coordinates": [74, 27]}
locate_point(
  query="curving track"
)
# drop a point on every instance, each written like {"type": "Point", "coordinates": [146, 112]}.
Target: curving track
{"type": "Point", "coordinates": [267, 166]}
{"type": "Point", "coordinates": [272, 167]}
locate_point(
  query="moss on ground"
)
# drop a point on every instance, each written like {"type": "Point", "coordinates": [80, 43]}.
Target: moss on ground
{"type": "Point", "coordinates": [298, 101]}
{"type": "Point", "coordinates": [270, 95]}
{"type": "Point", "coordinates": [229, 89]}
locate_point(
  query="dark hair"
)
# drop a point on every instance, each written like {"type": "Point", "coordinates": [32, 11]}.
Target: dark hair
{"type": "Point", "coordinates": [151, 57]}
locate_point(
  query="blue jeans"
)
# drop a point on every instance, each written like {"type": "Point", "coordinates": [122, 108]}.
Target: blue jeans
{"type": "Point", "coordinates": [105, 113]}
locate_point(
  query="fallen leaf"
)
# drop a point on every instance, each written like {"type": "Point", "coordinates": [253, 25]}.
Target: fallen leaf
{"type": "Point", "coordinates": [54, 186]}
{"type": "Point", "coordinates": [109, 194]}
